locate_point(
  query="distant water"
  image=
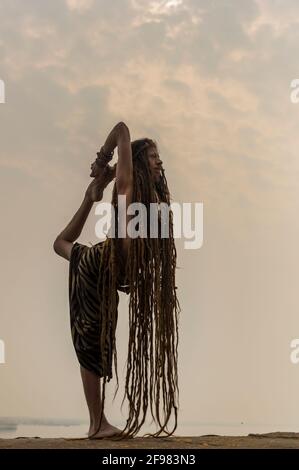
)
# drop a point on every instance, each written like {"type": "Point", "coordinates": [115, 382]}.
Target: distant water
{"type": "Point", "coordinates": [80, 430]}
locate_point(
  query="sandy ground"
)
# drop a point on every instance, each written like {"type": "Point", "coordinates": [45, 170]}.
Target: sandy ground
{"type": "Point", "coordinates": [277, 440]}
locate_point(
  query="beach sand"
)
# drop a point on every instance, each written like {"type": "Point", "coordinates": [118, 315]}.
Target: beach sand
{"type": "Point", "coordinates": [275, 440]}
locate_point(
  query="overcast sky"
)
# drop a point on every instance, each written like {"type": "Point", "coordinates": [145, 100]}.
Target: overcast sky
{"type": "Point", "coordinates": [210, 81]}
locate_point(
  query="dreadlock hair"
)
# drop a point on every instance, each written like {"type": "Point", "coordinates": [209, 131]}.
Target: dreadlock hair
{"type": "Point", "coordinates": [152, 371]}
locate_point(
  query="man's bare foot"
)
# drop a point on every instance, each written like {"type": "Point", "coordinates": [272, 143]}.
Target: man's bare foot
{"type": "Point", "coordinates": [106, 430]}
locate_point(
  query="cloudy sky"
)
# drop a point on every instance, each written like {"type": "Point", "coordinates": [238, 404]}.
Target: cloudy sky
{"type": "Point", "coordinates": [210, 81]}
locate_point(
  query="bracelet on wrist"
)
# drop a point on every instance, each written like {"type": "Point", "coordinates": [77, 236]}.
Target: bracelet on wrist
{"type": "Point", "coordinates": [103, 158]}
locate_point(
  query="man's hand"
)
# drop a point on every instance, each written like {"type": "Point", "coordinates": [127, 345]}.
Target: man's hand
{"type": "Point", "coordinates": [96, 188]}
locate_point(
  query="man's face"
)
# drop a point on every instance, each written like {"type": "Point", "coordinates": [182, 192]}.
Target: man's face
{"type": "Point", "coordinates": [155, 163]}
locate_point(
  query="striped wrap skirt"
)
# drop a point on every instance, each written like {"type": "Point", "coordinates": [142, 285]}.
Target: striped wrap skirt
{"type": "Point", "coordinates": [86, 309]}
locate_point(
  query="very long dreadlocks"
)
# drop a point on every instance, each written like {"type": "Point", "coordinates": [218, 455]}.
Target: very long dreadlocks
{"type": "Point", "coordinates": [152, 362]}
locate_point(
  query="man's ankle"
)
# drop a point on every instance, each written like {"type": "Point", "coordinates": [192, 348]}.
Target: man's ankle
{"type": "Point", "coordinates": [96, 422]}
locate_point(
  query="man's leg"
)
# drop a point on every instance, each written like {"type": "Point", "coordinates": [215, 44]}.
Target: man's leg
{"type": "Point", "coordinates": [92, 391]}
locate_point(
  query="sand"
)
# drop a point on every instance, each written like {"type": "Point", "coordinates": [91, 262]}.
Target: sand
{"type": "Point", "coordinates": [275, 440]}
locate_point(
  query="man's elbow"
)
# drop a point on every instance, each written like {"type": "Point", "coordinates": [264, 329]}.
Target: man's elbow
{"type": "Point", "coordinates": [122, 125]}
{"type": "Point", "coordinates": [123, 130]}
